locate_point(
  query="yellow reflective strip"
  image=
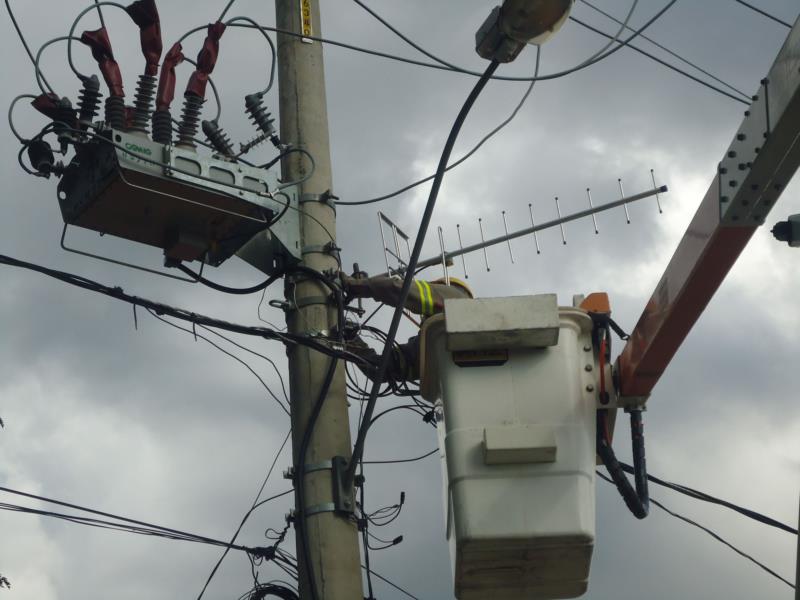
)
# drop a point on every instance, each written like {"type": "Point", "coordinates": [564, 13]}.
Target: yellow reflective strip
{"type": "Point", "coordinates": [422, 299]}
{"type": "Point", "coordinates": [429, 309]}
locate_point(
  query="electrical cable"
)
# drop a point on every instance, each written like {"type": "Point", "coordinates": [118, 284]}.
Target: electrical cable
{"type": "Point", "coordinates": [48, 43]}
{"type": "Point", "coordinates": [184, 315]}
{"type": "Point", "coordinates": [11, 115]}
{"type": "Point", "coordinates": [475, 148]}
{"type": "Point", "coordinates": [712, 534]}
{"type": "Point", "coordinates": [594, 59]}
{"type": "Point", "coordinates": [22, 38]}
{"type": "Point", "coordinates": [247, 515]}
{"type": "Point", "coordinates": [100, 14]}
{"type": "Point", "coordinates": [442, 67]}
{"type": "Point", "coordinates": [230, 290]}
{"type": "Point", "coordinates": [696, 495]}
{"type": "Point", "coordinates": [254, 353]}
{"type": "Point", "coordinates": [764, 13]}
{"type": "Point", "coordinates": [166, 531]}
{"type": "Point", "coordinates": [226, 9]}
{"type": "Point", "coordinates": [95, 6]}
{"type": "Point", "coordinates": [233, 21]}
{"type": "Point", "coordinates": [670, 52]}
{"type": "Point", "coordinates": [666, 64]}
{"type": "Point", "coordinates": [399, 461]}
{"type": "Point", "coordinates": [300, 477]}
{"type": "Point", "coordinates": [378, 575]}
{"type": "Point", "coordinates": [394, 585]}
{"type": "Point", "coordinates": [291, 150]}
{"type": "Point", "coordinates": [111, 525]}
{"type": "Point", "coordinates": [412, 263]}
{"type": "Point", "coordinates": [230, 354]}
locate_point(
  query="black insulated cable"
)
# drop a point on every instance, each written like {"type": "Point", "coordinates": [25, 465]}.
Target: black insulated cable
{"type": "Point", "coordinates": [637, 499]}
{"type": "Point", "coordinates": [764, 13]}
{"type": "Point", "coordinates": [665, 63]}
{"type": "Point", "coordinates": [702, 496]}
{"type": "Point", "coordinates": [229, 290]}
{"type": "Point", "coordinates": [388, 348]}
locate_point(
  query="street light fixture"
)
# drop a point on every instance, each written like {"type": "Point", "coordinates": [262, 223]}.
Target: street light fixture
{"type": "Point", "coordinates": [517, 23]}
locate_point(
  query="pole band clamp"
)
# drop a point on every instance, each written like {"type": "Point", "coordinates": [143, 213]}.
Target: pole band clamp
{"type": "Point", "coordinates": [325, 465]}
{"type": "Point", "coordinates": [312, 301]}
{"type": "Point", "coordinates": [326, 198]}
{"type": "Point", "coordinates": [317, 509]}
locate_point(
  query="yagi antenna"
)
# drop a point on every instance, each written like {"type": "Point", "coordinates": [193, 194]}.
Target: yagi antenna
{"type": "Point", "coordinates": [445, 257]}
{"type": "Point", "coordinates": [397, 254]}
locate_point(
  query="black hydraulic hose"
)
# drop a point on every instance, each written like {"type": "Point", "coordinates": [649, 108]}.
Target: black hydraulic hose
{"type": "Point", "coordinates": [637, 499]}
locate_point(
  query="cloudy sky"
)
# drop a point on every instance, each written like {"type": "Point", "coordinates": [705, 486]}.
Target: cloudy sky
{"type": "Point", "coordinates": [154, 425]}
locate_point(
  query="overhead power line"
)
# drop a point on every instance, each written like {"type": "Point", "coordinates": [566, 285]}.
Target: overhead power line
{"type": "Point", "coordinates": [665, 63]}
{"type": "Point", "coordinates": [712, 534]}
{"type": "Point", "coordinates": [702, 496]}
{"type": "Point", "coordinates": [684, 60]}
{"type": "Point", "coordinates": [602, 54]}
{"type": "Point", "coordinates": [442, 65]}
{"type": "Point", "coordinates": [764, 13]}
{"type": "Point", "coordinates": [182, 314]}
{"type": "Point", "coordinates": [112, 521]}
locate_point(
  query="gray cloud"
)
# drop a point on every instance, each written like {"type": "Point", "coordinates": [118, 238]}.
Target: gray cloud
{"type": "Point", "coordinates": [154, 425]}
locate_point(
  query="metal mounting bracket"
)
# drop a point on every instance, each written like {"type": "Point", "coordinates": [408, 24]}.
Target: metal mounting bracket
{"type": "Point", "coordinates": [343, 494]}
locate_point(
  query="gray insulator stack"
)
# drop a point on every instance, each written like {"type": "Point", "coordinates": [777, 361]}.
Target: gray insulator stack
{"type": "Point", "coordinates": [162, 127]}
{"type": "Point", "coordinates": [190, 119]}
{"type": "Point", "coordinates": [116, 112]}
{"type": "Point", "coordinates": [65, 122]}
{"type": "Point", "coordinates": [218, 138]}
{"type": "Point", "coordinates": [143, 103]}
{"type": "Point", "coordinates": [254, 104]}
{"type": "Point", "coordinates": [89, 101]}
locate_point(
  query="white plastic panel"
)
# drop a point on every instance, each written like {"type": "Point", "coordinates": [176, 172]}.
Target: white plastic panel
{"type": "Point", "coordinates": [520, 529]}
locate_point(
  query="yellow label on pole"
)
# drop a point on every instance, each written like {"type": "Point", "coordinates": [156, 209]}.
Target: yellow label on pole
{"type": "Point", "coordinates": [306, 24]}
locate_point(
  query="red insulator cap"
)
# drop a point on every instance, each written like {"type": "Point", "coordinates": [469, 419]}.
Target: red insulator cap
{"type": "Point", "coordinates": [101, 50]}
{"type": "Point", "coordinates": [145, 14]}
{"type": "Point", "coordinates": [206, 61]}
{"type": "Point", "coordinates": [47, 104]}
{"type": "Point", "coordinates": [166, 85]}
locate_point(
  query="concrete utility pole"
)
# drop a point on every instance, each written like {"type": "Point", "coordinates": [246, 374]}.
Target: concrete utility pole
{"type": "Point", "coordinates": [333, 540]}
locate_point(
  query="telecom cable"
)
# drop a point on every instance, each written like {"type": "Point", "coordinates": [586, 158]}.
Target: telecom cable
{"type": "Point", "coordinates": [230, 354]}
{"type": "Point", "coordinates": [764, 13]}
{"type": "Point", "coordinates": [254, 505]}
{"type": "Point", "coordinates": [672, 53]}
{"type": "Point", "coordinates": [665, 63]}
